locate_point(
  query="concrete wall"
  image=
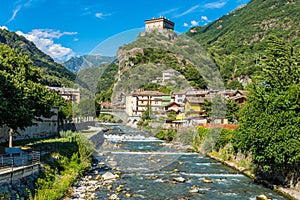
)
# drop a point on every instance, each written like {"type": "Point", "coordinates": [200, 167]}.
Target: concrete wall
{"type": "Point", "coordinates": [42, 129]}
{"type": "Point", "coordinates": [15, 175]}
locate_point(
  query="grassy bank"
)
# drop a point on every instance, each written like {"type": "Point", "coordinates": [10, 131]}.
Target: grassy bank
{"type": "Point", "coordinates": [63, 165]}
{"type": "Point", "coordinates": [64, 160]}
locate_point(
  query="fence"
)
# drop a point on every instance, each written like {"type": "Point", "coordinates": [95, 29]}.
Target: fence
{"type": "Point", "coordinates": [13, 168]}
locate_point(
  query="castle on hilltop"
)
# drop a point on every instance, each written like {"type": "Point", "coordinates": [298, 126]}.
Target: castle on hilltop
{"type": "Point", "coordinates": [160, 23]}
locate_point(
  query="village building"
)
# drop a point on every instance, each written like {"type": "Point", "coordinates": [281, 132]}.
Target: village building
{"type": "Point", "coordinates": [239, 96]}
{"type": "Point", "coordinates": [138, 102]}
{"type": "Point", "coordinates": [169, 74]}
{"type": "Point", "coordinates": [178, 97]}
{"type": "Point", "coordinates": [69, 94]}
{"type": "Point", "coordinates": [173, 106]}
{"type": "Point", "coordinates": [193, 107]}
{"type": "Point", "coordinates": [160, 23]}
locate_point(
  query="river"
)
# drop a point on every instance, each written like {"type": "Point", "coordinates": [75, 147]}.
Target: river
{"type": "Point", "coordinates": [152, 169]}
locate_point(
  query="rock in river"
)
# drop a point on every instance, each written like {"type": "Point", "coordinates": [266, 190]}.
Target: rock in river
{"type": "Point", "coordinates": [262, 197]}
{"type": "Point", "coordinates": [108, 176]}
{"type": "Point", "coordinates": [179, 179]}
{"type": "Point", "coordinates": [207, 180]}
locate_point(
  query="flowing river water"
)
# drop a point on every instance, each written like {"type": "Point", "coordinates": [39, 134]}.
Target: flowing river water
{"type": "Point", "coordinates": [152, 169]}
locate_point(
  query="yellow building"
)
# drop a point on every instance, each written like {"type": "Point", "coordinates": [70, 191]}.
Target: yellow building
{"type": "Point", "coordinates": [193, 107]}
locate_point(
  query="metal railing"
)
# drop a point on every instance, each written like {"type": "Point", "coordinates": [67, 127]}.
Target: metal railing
{"type": "Point", "coordinates": [13, 168]}
{"type": "Point", "coordinates": [26, 159]}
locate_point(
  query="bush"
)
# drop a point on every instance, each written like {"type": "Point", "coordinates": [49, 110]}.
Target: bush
{"type": "Point", "coordinates": [62, 170]}
{"type": "Point", "coordinates": [224, 139]}
{"type": "Point", "coordinates": [167, 135]}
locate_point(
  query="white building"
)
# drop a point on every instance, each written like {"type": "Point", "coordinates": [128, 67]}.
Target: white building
{"type": "Point", "coordinates": [70, 94]}
{"type": "Point", "coordinates": [179, 97]}
{"type": "Point", "coordinates": [168, 74]}
{"type": "Point", "coordinates": [139, 102]}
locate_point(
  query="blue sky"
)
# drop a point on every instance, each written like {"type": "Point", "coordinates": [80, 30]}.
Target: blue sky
{"type": "Point", "coordinates": [65, 28]}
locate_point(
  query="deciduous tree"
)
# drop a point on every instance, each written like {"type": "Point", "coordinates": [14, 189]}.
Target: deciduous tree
{"type": "Point", "coordinates": [22, 97]}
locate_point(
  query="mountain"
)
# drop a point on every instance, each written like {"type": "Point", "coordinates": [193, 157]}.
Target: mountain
{"type": "Point", "coordinates": [77, 63]}
{"type": "Point", "coordinates": [53, 73]}
{"type": "Point", "coordinates": [237, 40]}
{"type": "Point", "coordinates": [164, 60]}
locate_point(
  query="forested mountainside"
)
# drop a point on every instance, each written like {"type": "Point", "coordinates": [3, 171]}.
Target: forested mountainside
{"type": "Point", "coordinates": [237, 40]}
{"type": "Point", "coordinates": [77, 63]}
{"type": "Point", "coordinates": [53, 74]}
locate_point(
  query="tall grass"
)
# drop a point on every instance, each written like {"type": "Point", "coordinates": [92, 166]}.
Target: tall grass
{"type": "Point", "coordinates": [64, 166]}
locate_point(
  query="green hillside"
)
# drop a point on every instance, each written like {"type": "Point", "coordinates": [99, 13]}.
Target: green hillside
{"type": "Point", "coordinates": [53, 74]}
{"type": "Point", "coordinates": [153, 52]}
{"type": "Point", "coordinates": [237, 40]}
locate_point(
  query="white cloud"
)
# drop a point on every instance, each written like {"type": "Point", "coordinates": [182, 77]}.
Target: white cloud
{"type": "Point", "coordinates": [204, 18]}
{"type": "Point", "coordinates": [218, 4]}
{"type": "Point", "coordinates": [101, 15]}
{"type": "Point", "coordinates": [194, 23]}
{"type": "Point", "coordinates": [167, 11]}
{"type": "Point", "coordinates": [15, 12]}
{"type": "Point", "coordinates": [43, 39]}
{"type": "Point", "coordinates": [19, 5]}
{"type": "Point", "coordinates": [187, 11]}
{"type": "Point", "coordinates": [3, 28]}
{"type": "Point", "coordinates": [185, 24]}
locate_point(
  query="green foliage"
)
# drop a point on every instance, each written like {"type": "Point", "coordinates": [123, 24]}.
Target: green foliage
{"type": "Point", "coordinates": [237, 40]}
{"type": "Point", "coordinates": [146, 115]}
{"type": "Point", "coordinates": [164, 57]}
{"type": "Point", "coordinates": [63, 167]}
{"type": "Point", "coordinates": [156, 87]}
{"type": "Point", "coordinates": [167, 134]}
{"type": "Point", "coordinates": [106, 83]}
{"type": "Point", "coordinates": [86, 108]}
{"type": "Point", "coordinates": [234, 85]}
{"type": "Point", "coordinates": [232, 111]}
{"type": "Point", "coordinates": [53, 74]}
{"type": "Point", "coordinates": [224, 139]}
{"type": "Point", "coordinates": [22, 96]}
{"type": "Point", "coordinates": [269, 127]}
{"type": "Point", "coordinates": [107, 118]}
{"type": "Point", "coordinates": [171, 115]}
{"type": "Point", "coordinates": [202, 133]}
{"type": "Point", "coordinates": [207, 106]}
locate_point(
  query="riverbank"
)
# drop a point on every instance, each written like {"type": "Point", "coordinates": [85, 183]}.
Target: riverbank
{"type": "Point", "coordinates": [135, 166]}
{"type": "Point", "coordinates": [289, 193]}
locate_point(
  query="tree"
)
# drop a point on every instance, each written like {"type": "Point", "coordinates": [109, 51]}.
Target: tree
{"type": "Point", "coordinates": [270, 120]}
{"type": "Point", "coordinates": [232, 111]}
{"type": "Point", "coordinates": [22, 97]}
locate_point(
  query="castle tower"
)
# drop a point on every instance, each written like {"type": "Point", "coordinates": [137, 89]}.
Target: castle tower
{"type": "Point", "coordinates": [158, 24]}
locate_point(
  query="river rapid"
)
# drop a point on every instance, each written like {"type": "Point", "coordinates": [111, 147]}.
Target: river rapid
{"type": "Point", "coordinates": [143, 167]}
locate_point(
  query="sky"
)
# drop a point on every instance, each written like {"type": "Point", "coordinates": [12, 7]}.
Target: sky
{"type": "Point", "coordinates": [67, 28]}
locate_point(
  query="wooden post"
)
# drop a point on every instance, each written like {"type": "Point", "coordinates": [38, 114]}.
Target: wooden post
{"type": "Point", "coordinates": [11, 131]}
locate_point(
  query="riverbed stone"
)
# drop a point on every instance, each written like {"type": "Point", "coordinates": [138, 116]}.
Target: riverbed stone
{"type": "Point", "coordinates": [128, 195]}
{"type": "Point", "coordinates": [194, 190]}
{"type": "Point", "coordinates": [114, 197]}
{"type": "Point", "coordinates": [108, 176]}
{"type": "Point", "coordinates": [207, 180]}
{"type": "Point", "coordinates": [176, 170]}
{"type": "Point", "coordinates": [179, 179]}
{"type": "Point", "coordinates": [261, 197]}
